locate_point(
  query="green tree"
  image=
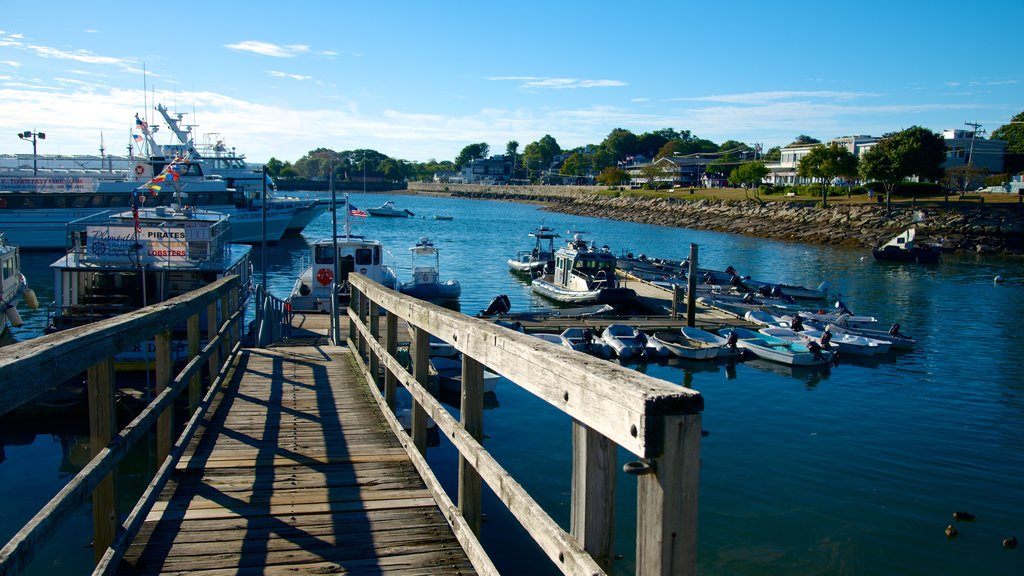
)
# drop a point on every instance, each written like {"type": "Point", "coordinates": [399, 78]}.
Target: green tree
{"type": "Point", "coordinates": [574, 165]}
{"type": "Point", "coordinates": [649, 143]}
{"type": "Point", "coordinates": [512, 149]}
{"type": "Point", "coordinates": [472, 152]}
{"type": "Point", "coordinates": [621, 143]}
{"type": "Point", "coordinates": [827, 163]}
{"type": "Point", "coordinates": [915, 151]}
{"type": "Point", "coordinates": [774, 154]}
{"type": "Point", "coordinates": [805, 139]}
{"type": "Point", "coordinates": [749, 173]}
{"type": "Point", "coordinates": [612, 176]}
{"type": "Point", "coordinates": [1013, 133]}
{"type": "Point", "coordinates": [654, 174]}
{"type": "Point", "coordinates": [538, 155]}
{"type": "Point", "coordinates": [733, 145]}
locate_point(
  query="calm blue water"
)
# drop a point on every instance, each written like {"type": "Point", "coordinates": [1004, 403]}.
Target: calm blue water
{"type": "Point", "coordinates": [856, 470]}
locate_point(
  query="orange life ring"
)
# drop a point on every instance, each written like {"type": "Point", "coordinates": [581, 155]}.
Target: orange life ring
{"type": "Point", "coordinates": [324, 276]}
{"type": "Point", "coordinates": [139, 170]}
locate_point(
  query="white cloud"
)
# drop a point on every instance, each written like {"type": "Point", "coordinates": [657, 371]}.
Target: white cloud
{"type": "Point", "coordinates": [537, 82]}
{"type": "Point", "coordinates": [78, 56]}
{"type": "Point", "coordinates": [277, 74]}
{"type": "Point", "coordinates": [10, 63]}
{"type": "Point", "coordinates": [770, 96]}
{"type": "Point", "coordinates": [268, 49]}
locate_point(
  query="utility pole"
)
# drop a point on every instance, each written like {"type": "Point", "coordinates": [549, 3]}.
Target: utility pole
{"type": "Point", "coordinates": [970, 153]}
{"type": "Point", "coordinates": [31, 136]}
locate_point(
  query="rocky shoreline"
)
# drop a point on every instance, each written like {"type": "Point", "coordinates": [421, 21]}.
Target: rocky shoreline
{"type": "Point", "coordinates": [971, 227]}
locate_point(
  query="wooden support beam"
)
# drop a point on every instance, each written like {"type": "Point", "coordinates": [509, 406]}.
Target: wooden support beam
{"type": "Point", "coordinates": [666, 525]}
{"type": "Point", "coordinates": [102, 424]}
{"type": "Point", "coordinates": [163, 377]}
{"type": "Point", "coordinates": [224, 315]}
{"type": "Point", "coordinates": [391, 346]}
{"type": "Point", "coordinates": [375, 335]}
{"type": "Point", "coordinates": [592, 515]}
{"type": "Point", "coordinates": [195, 385]}
{"type": "Point", "coordinates": [471, 415]}
{"type": "Point", "coordinates": [421, 372]}
{"type": "Point", "coordinates": [691, 288]}
{"type": "Point", "coordinates": [211, 331]}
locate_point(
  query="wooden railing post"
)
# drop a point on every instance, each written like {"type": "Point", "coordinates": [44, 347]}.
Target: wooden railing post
{"type": "Point", "coordinates": [211, 333]}
{"type": "Point", "coordinates": [592, 515]}
{"type": "Point", "coordinates": [364, 307]}
{"type": "Point", "coordinates": [471, 414]}
{"type": "Point", "coordinates": [226, 343]}
{"type": "Point", "coordinates": [236, 329]}
{"type": "Point", "coordinates": [391, 346]}
{"type": "Point", "coordinates": [163, 378]}
{"type": "Point", "coordinates": [195, 384]}
{"type": "Point", "coordinates": [691, 288]}
{"type": "Point", "coordinates": [375, 335]}
{"type": "Point", "coordinates": [102, 424]}
{"type": "Point", "coordinates": [353, 303]}
{"type": "Point", "coordinates": [666, 524]}
{"type": "Point", "coordinates": [420, 363]}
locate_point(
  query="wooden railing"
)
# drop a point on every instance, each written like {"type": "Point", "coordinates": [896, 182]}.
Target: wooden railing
{"type": "Point", "coordinates": [28, 368]}
{"type": "Point", "coordinates": [610, 405]}
{"type": "Point", "coordinates": [272, 318]}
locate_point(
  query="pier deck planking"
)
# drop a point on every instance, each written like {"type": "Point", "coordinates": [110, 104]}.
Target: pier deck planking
{"type": "Point", "coordinates": [295, 471]}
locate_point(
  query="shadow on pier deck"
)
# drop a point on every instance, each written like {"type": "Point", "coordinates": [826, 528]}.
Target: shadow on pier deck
{"type": "Point", "coordinates": [295, 471]}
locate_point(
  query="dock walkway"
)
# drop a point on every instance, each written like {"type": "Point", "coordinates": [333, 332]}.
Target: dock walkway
{"type": "Point", "coordinates": [295, 471]}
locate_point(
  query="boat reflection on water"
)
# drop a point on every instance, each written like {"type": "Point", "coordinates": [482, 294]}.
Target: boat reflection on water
{"type": "Point", "coordinates": [810, 375]}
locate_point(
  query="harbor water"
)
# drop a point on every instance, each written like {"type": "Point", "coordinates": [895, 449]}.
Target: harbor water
{"type": "Point", "coordinates": [856, 469]}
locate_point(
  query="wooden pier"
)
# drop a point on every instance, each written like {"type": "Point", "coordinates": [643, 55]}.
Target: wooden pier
{"type": "Point", "coordinates": [294, 461]}
{"type": "Point", "coordinates": [295, 471]}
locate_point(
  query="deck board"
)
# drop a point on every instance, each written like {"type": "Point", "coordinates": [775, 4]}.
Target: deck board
{"type": "Point", "coordinates": [294, 472]}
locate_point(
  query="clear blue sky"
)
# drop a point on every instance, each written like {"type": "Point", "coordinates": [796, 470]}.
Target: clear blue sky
{"type": "Point", "coordinates": [421, 80]}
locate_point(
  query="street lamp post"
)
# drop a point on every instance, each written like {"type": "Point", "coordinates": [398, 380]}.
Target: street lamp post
{"type": "Point", "coordinates": [30, 135]}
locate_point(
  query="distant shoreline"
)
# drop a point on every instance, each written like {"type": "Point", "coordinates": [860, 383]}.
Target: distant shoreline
{"type": "Point", "coordinates": [958, 226]}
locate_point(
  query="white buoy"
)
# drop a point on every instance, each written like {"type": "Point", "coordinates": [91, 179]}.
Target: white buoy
{"type": "Point", "coordinates": [29, 296]}
{"type": "Point", "coordinates": [13, 317]}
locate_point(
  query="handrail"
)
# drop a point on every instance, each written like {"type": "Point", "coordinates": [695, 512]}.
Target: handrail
{"type": "Point", "coordinates": [273, 318]}
{"type": "Point", "coordinates": [655, 420]}
{"type": "Point", "coordinates": [93, 347]}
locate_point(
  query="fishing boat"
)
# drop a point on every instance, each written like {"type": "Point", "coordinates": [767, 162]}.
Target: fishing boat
{"type": "Point", "coordinates": [904, 248]}
{"type": "Point", "coordinates": [539, 260]}
{"type": "Point", "coordinates": [449, 375]}
{"type": "Point", "coordinates": [388, 209]}
{"type": "Point", "coordinates": [779, 350]}
{"type": "Point", "coordinates": [697, 336]}
{"type": "Point", "coordinates": [426, 283]}
{"type": "Point", "coordinates": [330, 261]}
{"type": "Point", "coordinates": [122, 261]}
{"type": "Point", "coordinates": [13, 288]}
{"type": "Point", "coordinates": [683, 347]}
{"type": "Point", "coordinates": [583, 275]}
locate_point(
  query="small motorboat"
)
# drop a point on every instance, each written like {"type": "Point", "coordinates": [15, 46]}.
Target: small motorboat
{"type": "Point", "coordinates": [625, 341]}
{"type": "Point", "coordinates": [778, 350]}
{"type": "Point", "coordinates": [449, 375]}
{"type": "Point", "coordinates": [845, 343]}
{"type": "Point", "coordinates": [583, 275]}
{"type": "Point", "coordinates": [683, 347]}
{"type": "Point", "coordinates": [556, 339]}
{"type": "Point", "coordinates": [539, 260]}
{"type": "Point", "coordinates": [904, 248]}
{"type": "Point", "coordinates": [726, 349]}
{"type": "Point", "coordinates": [584, 340]}
{"type": "Point", "coordinates": [898, 339]}
{"type": "Point", "coordinates": [388, 209]}
{"type": "Point", "coordinates": [425, 283]}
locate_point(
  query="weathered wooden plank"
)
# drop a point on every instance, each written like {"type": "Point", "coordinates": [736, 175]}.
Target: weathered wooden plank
{"type": "Point", "coordinates": [290, 474]}
{"type": "Point", "coordinates": [592, 514]}
{"type": "Point", "coordinates": [102, 423]}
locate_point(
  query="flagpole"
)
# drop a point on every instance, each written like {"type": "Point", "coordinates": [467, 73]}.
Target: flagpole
{"type": "Point", "coordinates": [335, 324]}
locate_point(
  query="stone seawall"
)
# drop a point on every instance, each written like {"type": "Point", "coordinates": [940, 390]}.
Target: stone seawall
{"type": "Point", "coordinates": [968, 227]}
